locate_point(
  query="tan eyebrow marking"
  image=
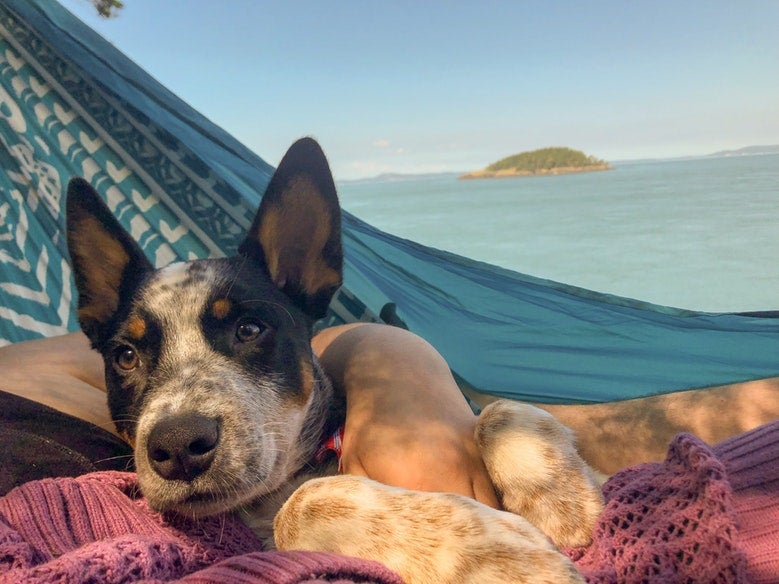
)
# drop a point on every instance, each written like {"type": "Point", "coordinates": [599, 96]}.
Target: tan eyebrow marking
{"type": "Point", "coordinates": [136, 327]}
{"type": "Point", "coordinates": [221, 308]}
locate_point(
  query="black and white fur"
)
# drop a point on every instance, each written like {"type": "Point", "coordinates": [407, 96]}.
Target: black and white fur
{"type": "Point", "coordinates": [211, 377]}
{"type": "Point", "coordinates": [209, 367]}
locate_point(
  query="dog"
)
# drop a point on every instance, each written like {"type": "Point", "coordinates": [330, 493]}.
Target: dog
{"type": "Point", "coordinates": [212, 379]}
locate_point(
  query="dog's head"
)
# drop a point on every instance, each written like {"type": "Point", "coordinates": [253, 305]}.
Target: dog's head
{"type": "Point", "coordinates": [208, 363]}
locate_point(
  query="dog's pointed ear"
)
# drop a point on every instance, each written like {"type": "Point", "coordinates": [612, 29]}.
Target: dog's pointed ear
{"type": "Point", "coordinates": [297, 230]}
{"type": "Point", "coordinates": [106, 260]}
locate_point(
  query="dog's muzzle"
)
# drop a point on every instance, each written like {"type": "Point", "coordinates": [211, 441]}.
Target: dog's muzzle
{"type": "Point", "coordinates": [183, 446]}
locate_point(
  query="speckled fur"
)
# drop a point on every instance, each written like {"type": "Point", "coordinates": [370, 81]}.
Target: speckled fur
{"type": "Point", "coordinates": [263, 441]}
{"type": "Point", "coordinates": [544, 485]}
{"type": "Point", "coordinates": [426, 537]}
{"type": "Point", "coordinates": [537, 472]}
{"type": "Point", "coordinates": [272, 403]}
{"type": "Point", "coordinates": [265, 399]}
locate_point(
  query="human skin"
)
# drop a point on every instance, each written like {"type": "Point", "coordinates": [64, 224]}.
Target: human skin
{"type": "Point", "coordinates": [614, 435]}
{"type": "Point", "coordinates": [407, 421]}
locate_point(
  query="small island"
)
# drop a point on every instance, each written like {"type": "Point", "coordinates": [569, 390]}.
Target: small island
{"type": "Point", "coordinates": [544, 161]}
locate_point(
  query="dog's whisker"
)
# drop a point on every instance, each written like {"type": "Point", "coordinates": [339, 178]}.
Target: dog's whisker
{"type": "Point", "coordinates": [244, 258]}
{"type": "Point", "coordinates": [270, 303]}
{"type": "Point", "coordinates": [125, 420]}
{"type": "Point", "coordinates": [222, 525]}
{"type": "Point", "coordinates": [119, 457]}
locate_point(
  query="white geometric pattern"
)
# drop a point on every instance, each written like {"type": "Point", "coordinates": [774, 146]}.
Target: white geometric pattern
{"type": "Point", "coordinates": [55, 124]}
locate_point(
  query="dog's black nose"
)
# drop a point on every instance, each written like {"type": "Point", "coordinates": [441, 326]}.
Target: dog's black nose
{"type": "Point", "coordinates": [183, 446]}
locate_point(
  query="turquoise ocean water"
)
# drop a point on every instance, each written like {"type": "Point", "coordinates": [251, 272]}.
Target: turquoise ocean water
{"type": "Point", "coordinates": [701, 234]}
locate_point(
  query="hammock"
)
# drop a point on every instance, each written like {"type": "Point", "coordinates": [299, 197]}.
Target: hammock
{"type": "Point", "coordinates": [71, 104]}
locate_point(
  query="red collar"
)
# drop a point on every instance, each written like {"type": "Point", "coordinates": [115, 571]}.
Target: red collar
{"type": "Point", "coordinates": [331, 444]}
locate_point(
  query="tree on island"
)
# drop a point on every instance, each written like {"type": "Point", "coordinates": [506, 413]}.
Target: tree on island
{"type": "Point", "coordinates": [546, 159]}
{"type": "Point", "coordinates": [556, 160]}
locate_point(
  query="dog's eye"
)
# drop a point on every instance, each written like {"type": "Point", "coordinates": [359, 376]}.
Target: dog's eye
{"type": "Point", "coordinates": [127, 359]}
{"type": "Point", "coordinates": [248, 330]}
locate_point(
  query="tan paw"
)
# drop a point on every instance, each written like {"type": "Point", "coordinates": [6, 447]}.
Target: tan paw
{"type": "Point", "coordinates": [425, 537]}
{"type": "Point", "coordinates": [534, 465]}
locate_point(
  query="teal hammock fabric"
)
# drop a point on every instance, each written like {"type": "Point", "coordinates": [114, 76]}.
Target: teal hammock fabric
{"type": "Point", "coordinates": [71, 104]}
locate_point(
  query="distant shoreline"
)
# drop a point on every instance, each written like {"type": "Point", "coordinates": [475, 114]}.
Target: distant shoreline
{"type": "Point", "coordinates": [770, 150]}
{"type": "Point", "coordinates": [514, 173]}
{"type": "Point", "coordinates": [553, 228]}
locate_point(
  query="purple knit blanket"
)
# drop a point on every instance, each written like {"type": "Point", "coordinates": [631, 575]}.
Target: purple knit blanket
{"type": "Point", "coordinates": [97, 528]}
{"type": "Point", "coordinates": [704, 515]}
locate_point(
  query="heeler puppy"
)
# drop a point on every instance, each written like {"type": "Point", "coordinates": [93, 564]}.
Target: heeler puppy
{"type": "Point", "coordinates": [211, 378]}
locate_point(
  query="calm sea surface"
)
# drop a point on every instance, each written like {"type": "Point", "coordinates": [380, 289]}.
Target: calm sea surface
{"type": "Point", "coordinates": [700, 234]}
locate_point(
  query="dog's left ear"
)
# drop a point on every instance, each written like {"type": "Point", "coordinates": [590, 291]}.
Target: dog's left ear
{"type": "Point", "coordinates": [297, 230]}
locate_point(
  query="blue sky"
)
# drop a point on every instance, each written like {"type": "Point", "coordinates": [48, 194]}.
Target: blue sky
{"type": "Point", "coordinates": [451, 86]}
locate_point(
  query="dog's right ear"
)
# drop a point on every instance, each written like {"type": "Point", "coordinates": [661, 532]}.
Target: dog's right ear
{"type": "Point", "coordinates": [106, 260]}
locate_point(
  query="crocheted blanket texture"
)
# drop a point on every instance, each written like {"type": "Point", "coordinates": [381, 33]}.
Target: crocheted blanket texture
{"type": "Point", "coordinates": [703, 515]}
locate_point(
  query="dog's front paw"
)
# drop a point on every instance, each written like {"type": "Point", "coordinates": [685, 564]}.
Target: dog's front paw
{"type": "Point", "coordinates": [425, 537]}
{"type": "Point", "coordinates": [532, 460]}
